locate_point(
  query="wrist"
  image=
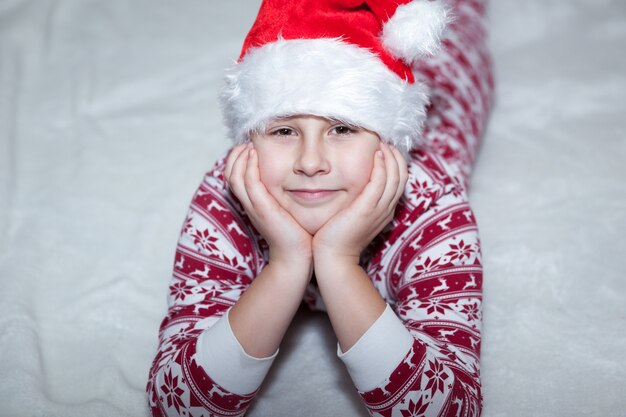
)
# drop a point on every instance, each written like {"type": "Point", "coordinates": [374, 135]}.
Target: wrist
{"type": "Point", "coordinates": [331, 264]}
{"type": "Point", "coordinates": [338, 253]}
{"type": "Point", "coordinates": [292, 263]}
{"type": "Point", "coordinates": [337, 256]}
{"type": "Point", "coordinates": [296, 251]}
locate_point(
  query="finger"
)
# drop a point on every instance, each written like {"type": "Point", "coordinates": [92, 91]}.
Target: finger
{"type": "Point", "coordinates": [237, 181]}
{"type": "Point", "coordinates": [403, 171]}
{"type": "Point", "coordinates": [376, 186]}
{"type": "Point", "coordinates": [393, 177]}
{"type": "Point", "coordinates": [232, 157]}
{"type": "Point", "coordinates": [258, 194]}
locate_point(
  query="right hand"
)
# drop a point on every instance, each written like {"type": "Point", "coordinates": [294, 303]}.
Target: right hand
{"type": "Point", "coordinates": [288, 242]}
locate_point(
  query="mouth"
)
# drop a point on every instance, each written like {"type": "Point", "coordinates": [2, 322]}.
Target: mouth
{"type": "Point", "coordinates": [312, 195]}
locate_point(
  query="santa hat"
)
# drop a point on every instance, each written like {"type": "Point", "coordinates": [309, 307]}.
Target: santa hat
{"type": "Point", "coordinates": [348, 60]}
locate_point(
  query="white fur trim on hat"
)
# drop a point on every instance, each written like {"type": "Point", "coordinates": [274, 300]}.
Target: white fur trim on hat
{"type": "Point", "coordinates": [322, 77]}
{"type": "Point", "coordinates": [415, 30]}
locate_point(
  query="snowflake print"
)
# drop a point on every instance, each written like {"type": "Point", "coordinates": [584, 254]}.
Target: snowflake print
{"type": "Point", "coordinates": [421, 190]}
{"type": "Point", "coordinates": [472, 311]}
{"type": "Point", "coordinates": [211, 291]}
{"type": "Point", "coordinates": [436, 377]}
{"type": "Point", "coordinates": [415, 409]}
{"type": "Point", "coordinates": [234, 262]}
{"type": "Point", "coordinates": [435, 305]}
{"type": "Point", "coordinates": [182, 335]}
{"type": "Point", "coordinates": [180, 290]}
{"type": "Point", "coordinates": [173, 392]}
{"type": "Point", "coordinates": [427, 266]}
{"type": "Point", "coordinates": [204, 241]}
{"type": "Point", "coordinates": [404, 307]}
{"type": "Point", "coordinates": [460, 251]}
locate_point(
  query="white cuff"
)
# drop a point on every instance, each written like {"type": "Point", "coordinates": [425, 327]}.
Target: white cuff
{"type": "Point", "coordinates": [378, 352]}
{"type": "Point", "coordinates": [222, 357]}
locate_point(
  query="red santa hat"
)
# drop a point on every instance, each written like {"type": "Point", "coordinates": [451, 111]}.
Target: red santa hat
{"type": "Point", "coordinates": [348, 60]}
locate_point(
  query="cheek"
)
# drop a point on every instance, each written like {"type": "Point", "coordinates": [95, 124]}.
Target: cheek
{"type": "Point", "coordinates": [271, 171]}
{"type": "Point", "coordinates": [357, 169]}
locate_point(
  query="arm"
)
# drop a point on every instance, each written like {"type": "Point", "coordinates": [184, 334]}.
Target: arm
{"type": "Point", "coordinates": [439, 303]}
{"type": "Point", "coordinates": [206, 362]}
{"type": "Point", "coordinates": [268, 306]}
{"type": "Point", "coordinates": [422, 357]}
{"type": "Point", "coordinates": [215, 262]}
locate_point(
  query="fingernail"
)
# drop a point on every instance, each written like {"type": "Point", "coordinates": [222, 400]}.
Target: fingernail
{"type": "Point", "coordinates": [379, 154]}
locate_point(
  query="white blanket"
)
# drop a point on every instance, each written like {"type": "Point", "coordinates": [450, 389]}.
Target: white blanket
{"type": "Point", "coordinates": [109, 118]}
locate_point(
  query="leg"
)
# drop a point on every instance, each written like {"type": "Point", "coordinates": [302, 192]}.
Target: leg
{"type": "Point", "coordinates": [461, 82]}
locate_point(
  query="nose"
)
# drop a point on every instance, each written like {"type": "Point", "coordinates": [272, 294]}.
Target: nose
{"type": "Point", "coordinates": [312, 158]}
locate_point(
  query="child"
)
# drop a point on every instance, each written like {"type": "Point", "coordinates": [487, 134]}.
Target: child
{"type": "Point", "coordinates": [346, 191]}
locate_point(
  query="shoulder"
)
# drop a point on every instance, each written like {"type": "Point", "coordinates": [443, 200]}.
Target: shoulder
{"type": "Point", "coordinates": [217, 226]}
{"type": "Point", "coordinates": [430, 177]}
{"type": "Point", "coordinates": [431, 188]}
{"type": "Point", "coordinates": [213, 199]}
{"type": "Point", "coordinates": [434, 209]}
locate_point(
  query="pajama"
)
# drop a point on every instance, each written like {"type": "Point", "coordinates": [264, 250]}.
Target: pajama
{"type": "Point", "coordinates": [421, 356]}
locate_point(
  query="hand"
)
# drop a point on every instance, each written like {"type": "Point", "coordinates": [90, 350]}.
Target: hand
{"type": "Point", "coordinates": [287, 240]}
{"type": "Point", "coordinates": [348, 232]}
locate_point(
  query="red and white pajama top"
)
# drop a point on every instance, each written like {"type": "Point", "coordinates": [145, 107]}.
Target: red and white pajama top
{"type": "Point", "coordinates": [421, 356]}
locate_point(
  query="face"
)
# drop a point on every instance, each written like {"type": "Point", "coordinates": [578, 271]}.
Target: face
{"type": "Point", "coordinates": [314, 167]}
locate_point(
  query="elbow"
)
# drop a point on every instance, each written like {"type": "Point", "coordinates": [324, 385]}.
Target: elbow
{"type": "Point", "coordinates": [156, 400]}
{"type": "Point", "coordinates": [166, 386]}
{"type": "Point", "coordinates": [165, 397]}
{"type": "Point", "coordinates": [465, 396]}
{"type": "Point", "coordinates": [453, 385]}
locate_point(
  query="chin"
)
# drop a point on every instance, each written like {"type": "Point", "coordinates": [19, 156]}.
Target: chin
{"type": "Point", "coordinates": [313, 219]}
{"type": "Point", "coordinates": [311, 224]}
{"type": "Point", "coordinates": [311, 227]}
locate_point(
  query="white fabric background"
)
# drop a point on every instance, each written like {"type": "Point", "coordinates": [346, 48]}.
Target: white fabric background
{"type": "Point", "coordinates": [109, 118]}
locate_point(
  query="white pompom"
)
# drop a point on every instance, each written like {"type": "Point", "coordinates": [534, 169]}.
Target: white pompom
{"type": "Point", "coordinates": [416, 29]}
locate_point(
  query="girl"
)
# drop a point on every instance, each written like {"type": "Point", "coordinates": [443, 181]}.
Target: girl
{"type": "Point", "coordinates": [344, 190]}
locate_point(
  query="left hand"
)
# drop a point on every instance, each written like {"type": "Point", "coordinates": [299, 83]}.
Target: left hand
{"type": "Point", "coordinates": [348, 232]}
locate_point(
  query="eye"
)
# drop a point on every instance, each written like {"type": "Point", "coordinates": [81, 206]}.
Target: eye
{"type": "Point", "coordinates": [283, 131]}
{"type": "Point", "coordinates": [342, 130]}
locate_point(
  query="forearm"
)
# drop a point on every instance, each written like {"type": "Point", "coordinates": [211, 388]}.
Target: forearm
{"type": "Point", "coordinates": [262, 315]}
{"type": "Point", "coordinates": [352, 301]}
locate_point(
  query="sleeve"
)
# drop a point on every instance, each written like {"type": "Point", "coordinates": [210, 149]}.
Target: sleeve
{"type": "Point", "coordinates": [421, 357]}
{"type": "Point", "coordinates": [200, 368]}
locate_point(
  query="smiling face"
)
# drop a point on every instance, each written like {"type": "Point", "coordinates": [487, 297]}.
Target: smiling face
{"type": "Point", "coordinates": [314, 167]}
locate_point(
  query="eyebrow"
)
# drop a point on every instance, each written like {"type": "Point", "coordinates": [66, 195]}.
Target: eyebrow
{"type": "Point", "coordinates": [330, 119]}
